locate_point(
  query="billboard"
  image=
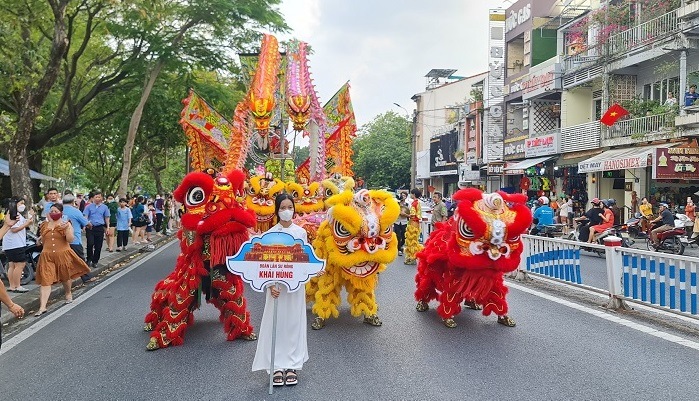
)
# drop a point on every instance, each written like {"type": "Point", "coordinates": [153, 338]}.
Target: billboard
{"type": "Point", "coordinates": [442, 149]}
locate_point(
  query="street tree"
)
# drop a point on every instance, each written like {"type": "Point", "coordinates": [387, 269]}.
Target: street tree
{"type": "Point", "coordinates": [201, 32]}
{"type": "Point", "coordinates": [382, 152]}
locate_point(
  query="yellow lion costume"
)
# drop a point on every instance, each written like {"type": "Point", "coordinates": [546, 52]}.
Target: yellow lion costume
{"type": "Point", "coordinates": [357, 241]}
{"type": "Point", "coordinates": [260, 196]}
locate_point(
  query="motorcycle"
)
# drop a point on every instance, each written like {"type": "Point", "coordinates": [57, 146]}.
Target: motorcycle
{"type": "Point", "coordinates": [670, 241]}
{"type": "Point", "coordinates": [550, 231]}
{"type": "Point", "coordinates": [617, 231]}
{"type": "Point", "coordinates": [32, 252]}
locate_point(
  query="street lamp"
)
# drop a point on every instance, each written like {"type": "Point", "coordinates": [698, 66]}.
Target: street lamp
{"type": "Point", "coordinates": [413, 150]}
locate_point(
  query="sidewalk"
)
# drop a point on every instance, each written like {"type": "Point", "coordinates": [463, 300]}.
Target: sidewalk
{"type": "Point", "coordinates": [108, 260]}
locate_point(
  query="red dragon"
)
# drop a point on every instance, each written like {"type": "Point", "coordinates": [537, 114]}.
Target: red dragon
{"type": "Point", "coordinates": [466, 257]}
{"type": "Point", "coordinates": [215, 225]}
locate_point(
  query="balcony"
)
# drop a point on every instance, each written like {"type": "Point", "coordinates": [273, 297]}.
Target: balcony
{"type": "Point", "coordinates": [580, 137]}
{"type": "Point", "coordinates": [641, 129]}
{"type": "Point", "coordinates": [643, 34]}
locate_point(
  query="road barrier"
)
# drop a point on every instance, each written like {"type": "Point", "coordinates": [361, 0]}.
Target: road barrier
{"type": "Point", "coordinates": [655, 279]}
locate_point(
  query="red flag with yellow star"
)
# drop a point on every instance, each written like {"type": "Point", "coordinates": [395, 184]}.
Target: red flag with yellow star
{"type": "Point", "coordinates": [613, 114]}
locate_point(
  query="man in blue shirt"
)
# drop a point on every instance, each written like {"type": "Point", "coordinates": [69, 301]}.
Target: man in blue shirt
{"type": "Point", "coordinates": [691, 96]}
{"type": "Point", "coordinates": [97, 214]}
{"type": "Point", "coordinates": [543, 215]}
{"type": "Point", "coordinates": [78, 221]}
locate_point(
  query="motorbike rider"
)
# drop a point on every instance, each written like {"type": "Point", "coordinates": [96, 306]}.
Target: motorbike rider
{"type": "Point", "coordinates": [667, 218]}
{"type": "Point", "coordinates": [592, 216]}
{"type": "Point", "coordinates": [607, 222]}
{"type": "Point", "coordinates": [543, 215]}
{"type": "Point", "coordinates": [616, 210]}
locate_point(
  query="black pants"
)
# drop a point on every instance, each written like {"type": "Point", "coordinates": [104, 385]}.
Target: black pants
{"type": "Point", "coordinates": [95, 239]}
{"type": "Point", "coordinates": [122, 238]}
{"type": "Point", "coordinates": [400, 233]}
{"type": "Point", "coordinates": [78, 249]}
{"type": "Point", "coordinates": [158, 222]}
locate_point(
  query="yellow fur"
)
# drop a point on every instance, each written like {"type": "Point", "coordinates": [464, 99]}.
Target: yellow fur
{"type": "Point", "coordinates": [325, 290]}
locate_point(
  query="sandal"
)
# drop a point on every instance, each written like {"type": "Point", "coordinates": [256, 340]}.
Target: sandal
{"type": "Point", "coordinates": [291, 377]}
{"type": "Point", "coordinates": [278, 378]}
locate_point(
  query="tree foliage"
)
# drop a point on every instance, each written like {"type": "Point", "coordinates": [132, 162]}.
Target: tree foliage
{"type": "Point", "coordinates": [382, 152]}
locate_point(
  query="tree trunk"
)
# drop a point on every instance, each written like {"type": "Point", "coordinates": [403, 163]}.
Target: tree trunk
{"type": "Point", "coordinates": [31, 101]}
{"type": "Point", "coordinates": [133, 128]}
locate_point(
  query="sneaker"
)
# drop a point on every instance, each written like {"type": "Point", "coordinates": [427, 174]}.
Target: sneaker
{"type": "Point", "coordinates": [123, 248]}
{"type": "Point", "coordinates": [93, 265]}
{"type": "Point", "coordinates": [118, 249]}
{"type": "Point", "coordinates": [400, 253]}
{"type": "Point", "coordinates": [21, 289]}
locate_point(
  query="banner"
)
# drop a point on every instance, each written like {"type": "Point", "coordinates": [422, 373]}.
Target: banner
{"type": "Point", "coordinates": [676, 163]}
{"type": "Point", "coordinates": [208, 132]}
{"type": "Point", "coordinates": [442, 149]}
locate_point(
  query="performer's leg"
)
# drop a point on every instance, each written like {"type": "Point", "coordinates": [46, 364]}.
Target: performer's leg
{"type": "Point", "coordinates": [311, 289]}
{"type": "Point", "coordinates": [228, 297]}
{"type": "Point", "coordinates": [327, 298]}
{"type": "Point", "coordinates": [496, 302]}
{"type": "Point", "coordinates": [362, 299]}
{"type": "Point", "coordinates": [450, 300]}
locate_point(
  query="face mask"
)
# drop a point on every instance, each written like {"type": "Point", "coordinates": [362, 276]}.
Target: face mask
{"type": "Point", "coordinates": [21, 208]}
{"type": "Point", "coordinates": [286, 215]}
{"type": "Point", "coordinates": [56, 216]}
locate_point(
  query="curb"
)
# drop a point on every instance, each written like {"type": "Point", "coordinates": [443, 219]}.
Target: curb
{"type": "Point", "coordinates": [30, 300]}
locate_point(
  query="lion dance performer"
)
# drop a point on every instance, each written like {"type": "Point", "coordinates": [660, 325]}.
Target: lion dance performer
{"type": "Point", "coordinates": [262, 191]}
{"type": "Point", "coordinates": [357, 241]}
{"type": "Point", "coordinates": [412, 232]}
{"type": "Point", "coordinates": [466, 257]}
{"type": "Point", "coordinates": [214, 225]}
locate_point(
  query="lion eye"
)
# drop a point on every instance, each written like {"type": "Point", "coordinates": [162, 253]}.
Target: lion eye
{"type": "Point", "coordinates": [340, 230]}
{"type": "Point", "coordinates": [251, 191]}
{"type": "Point", "coordinates": [464, 231]}
{"type": "Point", "coordinates": [195, 196]}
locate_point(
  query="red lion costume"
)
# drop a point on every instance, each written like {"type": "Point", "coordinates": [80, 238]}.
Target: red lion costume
{"type": "Point", "coordinates": [215, 225]}
{"type": "Point", "coordinates": [466, 257]}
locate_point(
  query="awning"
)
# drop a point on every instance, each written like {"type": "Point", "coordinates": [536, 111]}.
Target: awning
{"type": "Point", "coordinates": [525, 164]}
{"type": "Point", "coordinates": [619, 159]}
{"type": "Point", "coordinates": [572, 159]}
{"type": "Point", "coordinates": [5, 170]}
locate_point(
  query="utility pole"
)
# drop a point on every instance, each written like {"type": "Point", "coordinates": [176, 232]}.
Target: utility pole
{"type": "Point", "coordinates": [413, 152]}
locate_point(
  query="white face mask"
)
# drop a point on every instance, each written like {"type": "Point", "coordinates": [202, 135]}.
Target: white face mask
{"type": "Point", "coordinates": [286, 215]}
{"type": "Point", "coordinates": [21, 208]}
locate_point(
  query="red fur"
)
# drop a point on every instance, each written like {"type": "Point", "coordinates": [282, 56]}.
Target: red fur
{"type": "Point", "coordinates": [220, 224]}
{"type": "Point", "coordinates": [450, 276]}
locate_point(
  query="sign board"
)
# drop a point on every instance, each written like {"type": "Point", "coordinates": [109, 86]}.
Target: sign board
{"type": "Point", "coordinates": [496, 168]}
{"type": "Point", "coordinates": [676, 163]}
{"type": "Point", "coordinates": [493, 118]}
{"type": "Point", "coordinates": [442, 150]}
{"type": "Point", "coordinates": [466, 173]}
{"type": "Point", "coordinates": [275, 257]}
{"type": "Point", "coordinates": [543, 145]}
{"type": "Point", "coordinates": [613, 164]}
{"type": "Point", "coordinates": [514, 148]}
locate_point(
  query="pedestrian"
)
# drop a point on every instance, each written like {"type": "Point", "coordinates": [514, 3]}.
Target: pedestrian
{"type": "Point", "coordinates": [402, 221]}
{"type": "Point", "coordinates": [412, 232]}
{"type": "Point", "coordinates": [15, 309]}
{"type": "Point", "coordinates": [167, 206]}
{"type": "Point", "coordinates": [565, 206]}
{"type": "Point", "coordinates": [97, 214]}
{"type": "Point", "coordinates": [690, 209]}
{"type": "Point", "coordinates": [14, 243]}
{"type": "Point", "coordinates": [80, 202]}
{"type": "Point", "coordinates": [159, 205]}
{"type": "Point", "coordinates": [150, 213]}
{"type": "Point", "coordinates": [78, 223]}
{"type": "Point", "coordinates": [57, 262]}
{"type": "Point", "coordinates": [112, 205]}
{"type": "Point", "coordinates": [51, 198]}
{"type": "Point", "coordinates": [439, 210]}
{"type": "Point", "coordinates": [123, 222]}
{"type": "Point", "coordinates": [291, 347]}
{"type": "Point", "coordinates": [139, 220]}
{"type": "Point", "coordinates": [691, 96]}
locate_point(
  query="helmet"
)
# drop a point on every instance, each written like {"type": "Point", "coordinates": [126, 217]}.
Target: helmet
{"type": "Point", "coordinates": [543, 200]}
{"type": "Point", "coordinates": [611, 202]}
{"type": "Point", "coordinates": [595, 201]}
{"type": "Point", "coordinates": [663, 204]}
{"type": "Point", "coordinates": [606, 202]}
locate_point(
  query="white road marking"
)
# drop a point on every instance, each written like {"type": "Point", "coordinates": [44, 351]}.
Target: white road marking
{"type": "Point", "coordinates": [607, 316]}
{"type": "Point", "coordinates": [33, 329]}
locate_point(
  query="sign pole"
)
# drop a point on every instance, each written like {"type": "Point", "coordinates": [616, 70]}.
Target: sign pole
{"type": "Point", "coordinates": [274, 343]}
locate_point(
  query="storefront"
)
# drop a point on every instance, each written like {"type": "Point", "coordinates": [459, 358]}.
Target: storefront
{"type": "Point", "coordinates": [675, 174]}
{"type": "Point", "coordinates": [532, 177]}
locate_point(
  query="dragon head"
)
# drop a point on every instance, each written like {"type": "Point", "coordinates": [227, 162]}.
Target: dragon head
{"type": "Point", "coordinates": [358, 233]}
{"type": "Point", "coordinates": [213, 202]}
{"type": "Point", "coordinates": [260, 198]}
{"type": "Point", "coordinates": [487, 229]}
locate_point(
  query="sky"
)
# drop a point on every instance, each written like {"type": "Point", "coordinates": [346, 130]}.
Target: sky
{"type": "Point", "coordinates": [384, 48]}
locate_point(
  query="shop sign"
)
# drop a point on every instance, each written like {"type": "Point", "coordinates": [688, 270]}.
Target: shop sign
{"type": "Point", "coordinates": [466, 173]}
{"type": "Point", "coordinates": [543, 145]}
{"type": "Point", "coordinates": [496, 168]}
{"type": "Point", "coordinates": [494, 121]}
{"type": "Point", "coordinates": [676, 163]}
{"type": "Point", "coordinates": [514, 149]}
{"type": "Point", "coordinates": [614, 164]}
{"type": "Point", "coordinates": [518, 17]}
{"type": "Point", "coordinates": [442, 149]}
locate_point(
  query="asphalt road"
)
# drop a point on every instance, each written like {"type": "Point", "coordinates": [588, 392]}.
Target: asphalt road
{"type": "Point", "coordinates": [558, 351]}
